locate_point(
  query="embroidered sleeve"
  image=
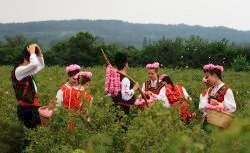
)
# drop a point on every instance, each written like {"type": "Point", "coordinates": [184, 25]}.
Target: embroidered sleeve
{"type": "Point", "coordinates": [143, 87]}
{"type": "Point", "coordinates": [126, 92]}
{"type": "Point", "coordinates": [162, 97]}
{"type": "Point", "coordinates": [203, 100]}
{"type": "Point", "coordinates": [229, 101]}
{"type": "Point", "coordinates": [59, 98]}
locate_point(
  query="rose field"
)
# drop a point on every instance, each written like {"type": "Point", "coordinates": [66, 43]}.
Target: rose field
{"type": "Point", "coordinates": [155, 129]}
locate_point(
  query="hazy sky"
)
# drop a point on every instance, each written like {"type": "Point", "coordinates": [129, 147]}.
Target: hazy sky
{"type": "Point", "coordinates": [230, 13]}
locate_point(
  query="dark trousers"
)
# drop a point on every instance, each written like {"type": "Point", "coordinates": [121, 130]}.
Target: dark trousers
{"type": "Point", "coordinates": [29, 117]}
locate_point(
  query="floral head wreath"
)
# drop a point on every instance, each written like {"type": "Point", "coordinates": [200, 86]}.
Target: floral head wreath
{"type": "Point", "coordinates": [83, 74]}
{"type": "Point", "coordinates": [154, 65]}
{"type": "Point", "coordinates": [72, 67]}
{"type": "Point", "coordinates": [213, 67]}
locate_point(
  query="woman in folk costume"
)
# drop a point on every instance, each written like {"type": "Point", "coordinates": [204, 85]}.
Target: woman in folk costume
{"type": "Point", "coordinates": [83, 79]}
{"type": "Point", "coordinates": [178, 96]}
{"type": "Point", "coordinates": [66, 95]}
{"type": "Point", "coordinates": [83, 97]}
{"type": "Point", "coordinates": [219, 95]}
{"type": "Point", "coordinates": [25, 87]}
{"type": "Point", "coordinates": [153, 88]}
{"type": "Point", "coordinates": [125, 97]}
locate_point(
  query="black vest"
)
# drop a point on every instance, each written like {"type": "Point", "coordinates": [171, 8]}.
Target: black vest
{"type": "Point", "coordinates": [24, 89]}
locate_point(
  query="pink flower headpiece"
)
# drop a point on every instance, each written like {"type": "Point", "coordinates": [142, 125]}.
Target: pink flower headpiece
{"type": "Point", "coordinates": [72, 67]}
{"type": "Point", "coordinates": [213, 67]}
{"type": "Point", "coordinates": [218, 108]}
{"type": "Point", "coordinates": [141, 102]}
{"type": "Point", "coordinates": [154, 65]}
{"type": "Point", "coordinates": [83, 74]}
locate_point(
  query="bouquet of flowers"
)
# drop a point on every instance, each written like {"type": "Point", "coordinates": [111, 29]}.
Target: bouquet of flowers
{"type": "Point", "coordinates": [112, 81]}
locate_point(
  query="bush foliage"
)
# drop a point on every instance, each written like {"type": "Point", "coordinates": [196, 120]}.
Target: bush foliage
{"type": "Point", "coordinates": [110, 130]}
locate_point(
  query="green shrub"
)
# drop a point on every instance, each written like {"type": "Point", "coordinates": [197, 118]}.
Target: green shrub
{"type": "Point", "coordinates": [240, 63]}
{"type": "Point", "coordinates": [156, 129]}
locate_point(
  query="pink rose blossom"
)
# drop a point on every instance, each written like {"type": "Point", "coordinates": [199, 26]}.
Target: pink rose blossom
{"type": "Point", "coordinates": [219, 67]}
{"type": "Point", "coordinates": [112, 81]}
{"type": "Point", "coordinates": [162, 76]}
{"type": "Point", "coordinates": [205, 80]}
{"type": "Point", "coordinates": [140, 102]}
{"type": "Point", "coordinates": [218, 108]}
{"type": "Point", "coordinates": [208, 67]}
{"type": "Point", "coordinates": [45, 112]}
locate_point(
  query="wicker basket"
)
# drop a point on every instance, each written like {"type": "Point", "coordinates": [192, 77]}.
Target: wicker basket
{"type": "Point", "coordinates": [221, 119]}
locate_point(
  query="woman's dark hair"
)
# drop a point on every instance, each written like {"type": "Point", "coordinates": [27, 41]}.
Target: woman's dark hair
{"type": "Point", "coordinates": [168, 80]}
{"type": "Point", "coordinates": [25, 55]}
{"type": "Point", "coordinates": [73, 73]}
{"type": "Point", "coordinates": [84, 80]}
{"type": "Point", "coordinates": [120, 60]}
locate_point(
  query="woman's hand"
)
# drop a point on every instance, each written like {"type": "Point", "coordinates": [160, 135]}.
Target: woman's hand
{"type": "Point", "coordinates": [214, 102]}
{"type": "Point", "coordinates": [136, 86]}
{"type": "Point", "coordinates": [52, 104]}
{"type": "Point", "coordinates": [151, 94]}
{"type": "Point", "coordinates": [31, 48]}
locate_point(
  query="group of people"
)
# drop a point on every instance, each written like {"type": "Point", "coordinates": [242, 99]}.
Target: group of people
{"type": "Point", "coordinates": [73, 95]}
{"type": "Point", "coordinates": [70, 95]}
{"type": "Point", "coordinates": [157, 88]}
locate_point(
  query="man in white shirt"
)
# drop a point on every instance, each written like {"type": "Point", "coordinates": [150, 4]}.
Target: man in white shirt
{"type": "Point", "coordinates": [125, 97]}
{"type": "Point", "coordinates": [25, 87]}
